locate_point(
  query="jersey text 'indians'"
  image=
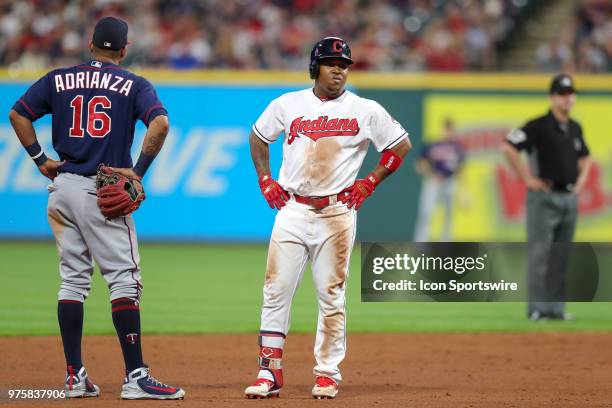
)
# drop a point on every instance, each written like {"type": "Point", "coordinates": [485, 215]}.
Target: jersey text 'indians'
{"type": "Point", "coordinates": [323, 127]}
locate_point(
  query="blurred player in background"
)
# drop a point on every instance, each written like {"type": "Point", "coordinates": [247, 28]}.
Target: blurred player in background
{"type": "Point", "coordinates": [94, 108]}
{"type": "Point", "coordinates": [439, 164]}
{"type": "Point", "coordinates": [559, 164]}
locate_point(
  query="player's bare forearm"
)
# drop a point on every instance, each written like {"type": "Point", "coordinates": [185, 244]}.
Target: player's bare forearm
{"type": "Point", "coordinates": [520, 168]}
{"type": "Point", "coordinates": [584, 166]}
{"type": "Point", "coordinates": [260, 154]}
{"type": "Point", "coordinates": [401, 149]}
{"type": "Point", "coordinates": [23, 128]}
{"type": "Point", "coordinates": [156, 135]}
{"type": "Point", "coordinates": [154, 140]}
{"type": "Point", "coordinates": [391, 160]}
{"type": "Point", "coordinates": [422, 167]}
{"type": "Point", "coordinates": [513, 158]}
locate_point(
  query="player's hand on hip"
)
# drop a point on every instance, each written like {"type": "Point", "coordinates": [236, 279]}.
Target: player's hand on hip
{"type": "Point", "coordinates": [355, 195]}
{"type": "Point", "coordinates": [273, 192]}
{"type": "Point", "coordinates": [537, 184]}
{"type": "Point", "coordinates": [127, 172]}
{"type": "Point", "coordinates": [50, 167]}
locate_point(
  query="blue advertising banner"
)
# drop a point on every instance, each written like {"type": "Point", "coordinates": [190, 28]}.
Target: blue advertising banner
{"type": "Point", "coordinates": [202, 186]}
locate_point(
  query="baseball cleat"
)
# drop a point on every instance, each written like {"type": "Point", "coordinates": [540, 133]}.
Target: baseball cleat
{"type": "Point", "coordinates": [325, 388]}
{"type": "Point", "coordinates": [78, 385]}
{"type": "Point", "coordinates": [538, 316]}
{"type": "Point", "coordinates": [262, 388]}
{"type": "Point", "coordinates": [139, 384]}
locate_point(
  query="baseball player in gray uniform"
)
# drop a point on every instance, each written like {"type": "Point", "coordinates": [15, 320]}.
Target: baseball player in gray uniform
{"type": "Point", "coordinates": [94, 107]}
{"type": "Point", "coordinates": [440, 163]}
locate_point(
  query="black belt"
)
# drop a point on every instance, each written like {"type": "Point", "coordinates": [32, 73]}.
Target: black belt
{"type": "Point", "coordinates": [560, 187]}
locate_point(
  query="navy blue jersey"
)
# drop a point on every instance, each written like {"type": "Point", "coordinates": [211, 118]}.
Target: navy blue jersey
{"type": "Point", "coordinates": [94, 107]}
{"type": "Point", "coordinates": [445, 157]}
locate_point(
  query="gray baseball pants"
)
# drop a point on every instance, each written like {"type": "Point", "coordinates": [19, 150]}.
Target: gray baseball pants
{"type": "Point", "coordinates": [551, 222]}
{"type": "Point", "coordinates": [434, 191]}
{"type": "Point", "coordinates": [83, 236]}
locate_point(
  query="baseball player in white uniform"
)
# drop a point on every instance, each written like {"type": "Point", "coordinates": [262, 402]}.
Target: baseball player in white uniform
{"type": "Point", "coordinates": [327, 133]}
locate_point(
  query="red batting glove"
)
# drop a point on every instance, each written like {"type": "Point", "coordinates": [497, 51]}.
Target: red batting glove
{"type": "Point", "coordinates": [273, 192]}
{"type": "Point", "coordinates": [356, 194]}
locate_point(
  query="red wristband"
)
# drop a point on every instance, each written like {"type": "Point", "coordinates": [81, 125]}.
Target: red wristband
{"type": "Point", "coordinates": [390, 160]}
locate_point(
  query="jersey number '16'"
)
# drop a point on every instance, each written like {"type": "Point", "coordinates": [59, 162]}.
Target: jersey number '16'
{"type": "Point", "coordinates": [98, 123]}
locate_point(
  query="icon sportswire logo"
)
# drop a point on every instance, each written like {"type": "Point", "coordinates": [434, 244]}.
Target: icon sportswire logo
{"type": "Point", "coordinates": [322, 127]}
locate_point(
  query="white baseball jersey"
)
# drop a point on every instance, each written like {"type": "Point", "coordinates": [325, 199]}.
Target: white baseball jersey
{"type": "Point", "coordinates": [325, 140]}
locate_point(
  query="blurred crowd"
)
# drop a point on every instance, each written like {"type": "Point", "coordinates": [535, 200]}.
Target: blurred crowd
{"type": "Point", "coordinates": [406, 35]}
{"type": "Point", "coordinates": [585, 45]}
{"type": "Point", "coordinates": [389, 35]}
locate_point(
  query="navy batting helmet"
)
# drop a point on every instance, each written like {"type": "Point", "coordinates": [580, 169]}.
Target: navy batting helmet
{"type": "Point", "coordinates": [329, 47]}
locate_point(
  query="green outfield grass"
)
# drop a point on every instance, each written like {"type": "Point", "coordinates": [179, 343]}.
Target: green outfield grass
{"type": "Point", "coordinates": [217, 289]}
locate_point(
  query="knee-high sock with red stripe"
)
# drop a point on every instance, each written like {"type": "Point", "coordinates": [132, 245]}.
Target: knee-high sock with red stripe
{"type": "Point", "coordinates": [70, 318]}
{"type": "Point", "coordinates": [126, 318]}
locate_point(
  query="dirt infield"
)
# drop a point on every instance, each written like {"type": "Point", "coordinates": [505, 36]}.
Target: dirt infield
{"type": "Point", "coordinates": [381, 370]}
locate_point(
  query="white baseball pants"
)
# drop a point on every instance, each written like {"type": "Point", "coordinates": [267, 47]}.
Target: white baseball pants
{"type": "Point", "coordinates": [325, 237]}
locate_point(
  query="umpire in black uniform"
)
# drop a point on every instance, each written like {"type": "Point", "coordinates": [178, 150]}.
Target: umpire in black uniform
{"type": "Point", "coordinates": [558, 166]}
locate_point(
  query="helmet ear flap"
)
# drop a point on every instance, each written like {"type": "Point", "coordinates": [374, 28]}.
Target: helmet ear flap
{"type": "Point", "coordinates": [314, 69]}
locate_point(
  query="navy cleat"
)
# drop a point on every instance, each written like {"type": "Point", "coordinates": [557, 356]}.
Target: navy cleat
{"type": "Point", "coordinates": [78, 385]}
{"type": "Point", "coordinates": [139, 384]}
